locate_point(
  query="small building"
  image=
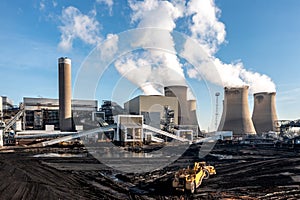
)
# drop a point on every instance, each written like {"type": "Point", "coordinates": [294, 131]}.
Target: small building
{"type": "Point", "coordinates": [129, 129]}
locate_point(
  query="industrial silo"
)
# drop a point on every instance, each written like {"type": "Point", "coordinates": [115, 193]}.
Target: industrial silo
{"type": "Point", "coordinates": [264, 114]}
{"type": "Point", "coordinates": [180, 92]}
{"type": "Point", "coordinates": [236, 116]}
{"type": "Point", "coordinates": [65, 94]}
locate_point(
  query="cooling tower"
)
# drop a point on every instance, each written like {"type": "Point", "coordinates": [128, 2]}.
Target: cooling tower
{"type": "Point", "coordinates": [181, 93]}
{"type": "Point", "coordinates": [65, 94]}
{"type": "Point", "coordinates": [264, 114]}
{"type": "Point", "coordinates": [192, 106]}
{"type": "Point", "coordinates": [236, 115]}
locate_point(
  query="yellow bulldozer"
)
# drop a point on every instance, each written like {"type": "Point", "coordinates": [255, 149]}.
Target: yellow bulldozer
{"type": "Point", "coordinates": [188, 179]}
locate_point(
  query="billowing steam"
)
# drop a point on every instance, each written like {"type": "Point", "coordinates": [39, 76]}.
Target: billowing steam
{"type": "Point", "coordinates": [162, 68]}
{"type": "Point", "coordinates": [210, 33]}
{"type": "Point", "coordinates": [153, 66]}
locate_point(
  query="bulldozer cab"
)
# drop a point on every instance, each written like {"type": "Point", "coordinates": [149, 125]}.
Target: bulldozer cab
{"type": "Point", "coordinates": [197, 167]}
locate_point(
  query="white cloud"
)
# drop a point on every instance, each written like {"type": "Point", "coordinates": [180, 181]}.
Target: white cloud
{"type": "Point", "coordinates": [109, 47]}
{"type": "Point", "coordinates": [77, 25]}
{"type": "Point", "coordinates": [42, 5]}
{"type": "Point", "coordinates": [54, 3]}
{"type": "Point", "coordinates": [109, 3]}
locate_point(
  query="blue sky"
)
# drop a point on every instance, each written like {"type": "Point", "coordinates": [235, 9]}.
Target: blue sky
{"type": "Point", "coordinates": [261, 35]}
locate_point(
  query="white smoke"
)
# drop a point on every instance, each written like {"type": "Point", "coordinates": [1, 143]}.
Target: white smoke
{"type": "Point", "coordinates": [210, 33]}
{"type": "Point", "coordinates": [142, 70]}
{"type": "Point", "coordinates": [258, 82]}
{"type": "Point", "coordinates": [153, 14]}
{"type": "Point", "coordinates": [204, 26]}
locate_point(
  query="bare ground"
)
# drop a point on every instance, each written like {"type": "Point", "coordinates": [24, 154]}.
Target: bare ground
{"type": "Point", "coordinates": [242, 173]}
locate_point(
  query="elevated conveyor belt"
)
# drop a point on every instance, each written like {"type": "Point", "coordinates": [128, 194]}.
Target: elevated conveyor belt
{"type": "Point", "coordinates": [74, 136]}
{"type": "Point", "coordinates": [13, 120]}
{"type": "Point", "coordinates": [150, 128]}
{"type": "Point", "coordinates": [156, 139]}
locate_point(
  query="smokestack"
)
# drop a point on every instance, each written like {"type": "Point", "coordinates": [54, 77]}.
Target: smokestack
{"type": "Point", "coordinates": [236, 115]}
{"type": "Point", "coordinates": [264, 112]}
{"type": "Point", "coordinates": [181, 93]}
{"type": "Point", "coordinates": [65, 94]}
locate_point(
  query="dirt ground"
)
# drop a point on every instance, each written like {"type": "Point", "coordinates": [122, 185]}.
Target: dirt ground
{"type": "Point", "coordinates": [243, 172]}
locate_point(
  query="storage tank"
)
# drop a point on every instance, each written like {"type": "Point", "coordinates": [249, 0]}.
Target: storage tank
{"type": "Point", "coordinates": [180, 92]}
{"type": "Point", "coordinates": [65, 94]}
{"type": "Point", "coordinates": [236, 116]}
{"type": "Point", "coordinates": [264, 114]}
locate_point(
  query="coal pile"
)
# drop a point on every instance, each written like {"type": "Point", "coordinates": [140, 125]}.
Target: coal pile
{"type": "Point", "coordinates": [243, 172]}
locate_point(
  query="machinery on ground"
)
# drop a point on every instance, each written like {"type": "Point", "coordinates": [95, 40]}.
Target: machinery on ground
{"type": "Point", "coordinates": [190, 179]}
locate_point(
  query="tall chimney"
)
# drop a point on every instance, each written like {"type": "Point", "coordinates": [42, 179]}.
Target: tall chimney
{"type": "Point", "coordinates": [181, 93]}
{"type": "Point", "coordinates": [264, 114]}
{"type": "Point", "coordinates": [65, 94]}
{"type": "Point", "coordinates": [236, 115]}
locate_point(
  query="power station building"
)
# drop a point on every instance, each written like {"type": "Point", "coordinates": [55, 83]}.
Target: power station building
{"type": "Point", "coordinates": [39, 112]}
{"type": "Point", "coordinates": [170, 112]}
{"type": "Point", "coordinates": [152, 108]}
{"type": "Point", "coordinates": [62, 113]}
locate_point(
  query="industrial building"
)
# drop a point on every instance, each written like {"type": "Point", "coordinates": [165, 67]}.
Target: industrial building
{"type": "Point", "coordinates": [171, 113]}
{"type": "Point", "coordinates": [152, 108]}
{"type": "Point", "coordinates": [39, 112]}
{"type": "Point", "coordinates": [7, 103]}
{"type": "Point", "coordinates": [111, 109]}
{"type": "Point", "coordinates": [264, 115]}
{"type": "Point", "coordinates": [187, 116]}
{"type": "Point", "coordinates": [236, 116]}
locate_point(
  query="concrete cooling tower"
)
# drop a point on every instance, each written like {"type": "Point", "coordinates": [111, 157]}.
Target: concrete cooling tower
{"type": "Point", "coordinates": [192, 106]}
{"type": "Point", "coordinates": [65, 94]}
{"type": "Point", "coordinates": [181, 93]}
{"type": "Point", "coordinates": [264, 114]}
{"type": "Point", "coordinates": [236, 115]}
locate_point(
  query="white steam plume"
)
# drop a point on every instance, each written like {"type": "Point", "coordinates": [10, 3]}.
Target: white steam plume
{"type": "Point", "coordinates": [153, 14]}
{"type": "Point", "coordinates": [206, 28]}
